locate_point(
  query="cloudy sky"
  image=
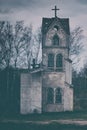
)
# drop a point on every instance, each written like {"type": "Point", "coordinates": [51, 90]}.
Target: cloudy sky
{"type": "Point", "coordinates": [32, 11]}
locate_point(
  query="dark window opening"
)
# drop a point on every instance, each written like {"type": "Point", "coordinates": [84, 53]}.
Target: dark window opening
{"type": "Point", "coordinates": [50, 60]}
{"type": "Point", "coordinates": [55, 40]}
{"type": "Point", "coordinates": [59, 61]}
{"type": "Point", "coordinates": [58, 98]}
{"type": "Point", "coordinates": [50, 95]}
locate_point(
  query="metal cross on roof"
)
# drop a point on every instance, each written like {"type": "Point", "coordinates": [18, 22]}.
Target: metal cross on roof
{"type": "Point", "coordinates": [55, 9]}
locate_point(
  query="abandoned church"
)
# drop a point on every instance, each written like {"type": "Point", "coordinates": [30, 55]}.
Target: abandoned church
{"type": "Point", "coordinates": [49, 87]}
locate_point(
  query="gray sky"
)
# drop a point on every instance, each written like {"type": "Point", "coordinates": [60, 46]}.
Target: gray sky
{"type": "Point", "coordinates": [32, 11]}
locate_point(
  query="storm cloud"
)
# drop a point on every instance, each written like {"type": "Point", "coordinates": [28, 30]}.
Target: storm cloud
{"type": "Point", "coordinates": [82, 1]}
{"type": "Point", "coordinates": [5, 11]}
{"type": "Point", "coordinates": [72, 7]}
{"type": "Point", "coordinates": [34, 10]}
{"type": "Point", "coordinates": [15, 3]}
{"type": "Point", "coordinates": [24, 3]}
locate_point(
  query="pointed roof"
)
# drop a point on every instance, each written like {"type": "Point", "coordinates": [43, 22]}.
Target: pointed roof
{"type": "Point", "coordinates": [46, 22]}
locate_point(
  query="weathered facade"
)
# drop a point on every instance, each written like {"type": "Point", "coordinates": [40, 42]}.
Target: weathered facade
{"type": "Point", "coordinates": [49, 89]}
{"type": "Point", "coordinates": [31, 92]}
{"type": "Point", "coordinates": [57, 77]}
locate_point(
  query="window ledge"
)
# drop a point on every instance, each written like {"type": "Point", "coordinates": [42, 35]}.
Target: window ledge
{"type": "Point", "coordinates": [54, 103]}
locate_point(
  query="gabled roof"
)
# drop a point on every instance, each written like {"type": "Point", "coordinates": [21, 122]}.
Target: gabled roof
{"type": "Point", "coordinates": [46, 22]}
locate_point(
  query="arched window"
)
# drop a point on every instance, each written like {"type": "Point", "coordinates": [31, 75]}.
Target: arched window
{"type": "Point", "coordinates": [50, 60]}
{"type": "Point", "coordinates": [55, 40]}
{"type": "Point", "coordinates": [58, 96]}
{"type": "Point", "coordinates": [59, 61]}
{"type": "Point", "coordinates": [56, 27]}
{"type": "Point", "coordinates": [50, 95]}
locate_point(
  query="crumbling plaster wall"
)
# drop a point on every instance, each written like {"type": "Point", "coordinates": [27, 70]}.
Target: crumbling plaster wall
{"type": "Point", "coordinates": [31, 93]}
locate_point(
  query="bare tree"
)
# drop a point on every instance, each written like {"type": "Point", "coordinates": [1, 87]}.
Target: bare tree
{"type": "Point", "coordinates": [76, 45]}
{"type": "Point", "coordinates": [18, 41]}
{"type": "Point", "coordinates": [6, 44]}
{"type": "Point", "coordinates": [38, 43]}
{"type": "Point", "coordinates": [1, 44]}
{"type": "Point", "coordinates": [27, 36]}
{"type": "Point", "coordinates": [15, 44]}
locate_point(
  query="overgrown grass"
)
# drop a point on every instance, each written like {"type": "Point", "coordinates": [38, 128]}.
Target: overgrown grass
{"type": "Point", "coordinates": [47, 116]}
{"type": "Point", "coordinates": [52, 126]}
{"type": "Point", "coordinates": [21, 122]}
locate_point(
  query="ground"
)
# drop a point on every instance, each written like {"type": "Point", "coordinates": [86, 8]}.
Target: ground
{"type": "Point", "coordinates": [53, 121]}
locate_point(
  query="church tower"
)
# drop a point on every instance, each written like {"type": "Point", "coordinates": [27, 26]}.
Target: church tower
{"type": "Point", "coordinates": [57, 91]}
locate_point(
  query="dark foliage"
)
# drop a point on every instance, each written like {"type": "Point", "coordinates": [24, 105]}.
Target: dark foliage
{"type": "Point", "coordinates": [80, 90]}
{"type": "Point", "coordinates": [9, 93]}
